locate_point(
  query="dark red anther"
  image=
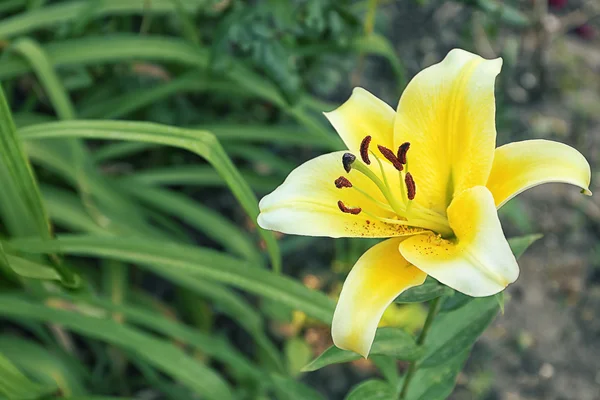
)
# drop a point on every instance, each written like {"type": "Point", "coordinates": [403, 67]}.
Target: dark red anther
{"type": "Point", "coordinates": [347, 160]}
{"type": "Point", "coordinates": [349, 210]}
{"type": "Point", "coordinates": [364, 149]}
{"type": "Point", "coordinates": [402, 150]}
{"type": "Point", "coordinates": [411, 188]}
{"type": "Point", "coordinates": [342, 182]}
{"type": "Point", "coordinates": [391, 157]}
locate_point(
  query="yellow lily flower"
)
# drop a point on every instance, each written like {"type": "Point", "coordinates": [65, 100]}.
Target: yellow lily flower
{"type": "Point", "coordinates": [435, 198]}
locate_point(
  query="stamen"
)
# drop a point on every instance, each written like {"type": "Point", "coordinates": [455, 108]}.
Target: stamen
{"type": "Point", "coordinates": [348, 210]}
{"type": "Point", "coordinates": [391, 157]}
{"type": "Point", "coordinates": [342, 182]}
{"type": "Point", "coordinates": [402, 150]}
{"type": "Point", "coordinates": [347, 160]}
{"type": "Point", "coordinates": [364, 149]}
{"type": "Point", "coordinates": [410, 186]}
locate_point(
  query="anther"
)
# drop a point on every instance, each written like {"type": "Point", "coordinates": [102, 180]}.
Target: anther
{"type": "Point", "coordinates": [342, 182]}
{"type": "Point", "coordinates": [402, 150]}
{"type": "Point", "coordinates": [348, 210]}
{"type": "Point", "coordinates": [364, 149]}
{"type": "Point", "coordinates": [411, 188]}
{"type": "Point", "coordinates": [391, 157]}
{"type": "Point", "coordinates": [347, 160]}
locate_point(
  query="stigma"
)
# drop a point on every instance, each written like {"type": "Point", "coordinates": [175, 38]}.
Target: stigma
{"type": "Point", "coordinates": [347, 161]}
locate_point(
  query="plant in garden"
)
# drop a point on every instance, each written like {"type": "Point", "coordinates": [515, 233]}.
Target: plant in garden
{"type": "Point", "coordinates": [428, 178]}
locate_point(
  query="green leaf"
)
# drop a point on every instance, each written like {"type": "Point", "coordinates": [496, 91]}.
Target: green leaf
{"type": "Point", "coordinates": [38, 60]}
{"type": "Point", "coordinates": [297, 354]}
{"type": "Point", "coordinates": [104, 49]}
{"type": "Point", "coordinates": [454, 331]}
{"type": "Point", "coordinates": [212, 346]}
{"type": "Point", "coordinates": [518, 245]}
{"type": "Point", "coordinates": [53, 14]}
{"type": "Point", "coordinates": [388, 341]}
{"type": "Point", "coordinates": [202, 143]}
{"type": "Point", "coordinates": [207, 221]}
{"type": "Point", "coordinates": [197, 175]}
{"type": "Point", "coordinates": [46, 366]}
{"type": "Point", "coordinates": [290, 389]}
{"type": "Point", "coordinates": [5, 267]}
{"type": "Point", "coordinates": [436, 383]}
{"type": "Point", "coordinates": [22, 179]}
{"type": "Point", "coordinates": [388, 366]}
{"type": "Point", "coordinates": [165, 356]}
{"type": "Point", "coordinates": [15, 385]}
{"type": "Point", "coordinates": [373, 389]}
{"type": "Point", "coordinates": [33, 270]}
{"type": "Point", "coordinates": [429, 290]}
{"type": "Point", "coordinates": [193, 261]}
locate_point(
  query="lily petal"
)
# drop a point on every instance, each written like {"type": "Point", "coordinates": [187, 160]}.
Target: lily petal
{"type": "Point", "coordinates": [447, 113]}
{"type": "Point", "coordinates": [376, 279]}
{"type": "Point", "coordinates": [307, 203]}
{"type": "Point", "coordinates": [361, 115]}
{"type": "Point", "coordinates": [479, 261]}
{"type": "Point", "coordinates": [521, 165]}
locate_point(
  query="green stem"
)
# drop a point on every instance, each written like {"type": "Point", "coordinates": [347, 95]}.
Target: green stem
{"type": "Point", "coordinates": [434, 307]}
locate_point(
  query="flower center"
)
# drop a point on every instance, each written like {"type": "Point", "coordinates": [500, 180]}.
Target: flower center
{"type": "Point", "coordinates": [405, 213]}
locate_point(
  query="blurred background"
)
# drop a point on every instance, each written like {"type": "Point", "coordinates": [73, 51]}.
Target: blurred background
{"type": "Point", "coordinates": [258, 74]}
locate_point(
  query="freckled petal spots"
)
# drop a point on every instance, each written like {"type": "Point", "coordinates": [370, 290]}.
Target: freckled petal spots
{"type": "Point", "coordinates": [376, 279]}
{"type": "Point", "coordinates": [362, 115]}
{"type": "Point", "coordinates": [521, 165]}
{"type": "Point", "coordinates": [479, 261]}
{"type": "Point", "coordinates": [447, 113]}
{"type": "Point", "coordinates": [307, 203]}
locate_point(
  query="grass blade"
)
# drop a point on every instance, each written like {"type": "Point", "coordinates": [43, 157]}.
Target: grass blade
{"type": "Point", "coordinates": [193, 261]}
{"type": "Point", "coordinates": [162, 355]}
{"type": "Point", "coordinates": [202, 143]}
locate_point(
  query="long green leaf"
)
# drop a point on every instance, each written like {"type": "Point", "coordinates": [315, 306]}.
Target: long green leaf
{"type": "Point", "coordinates": [213, 346]}
{"type": "Point", "coordinates": [212, 224]}
{"type": "Point", "coordinates": [388, 341]}
{"type": "Point", "coordinates": [46, 366]}
{"type": "Point", "coordinates": [110, 49]}
{"type": "Point", "coordinates": [54, 14]}
{"type": "Point", "coordinates": [20, 173]}
{"type": "Point", "coordinates": [162, 355]}
{"type": "Point", "coordinates": [15, 385]}
{"type": "Point", "coordinates": [38, 60]}
{"type": "Point", "coordinates": [197, 175]}
{"type": "Point", "coordinates": [453, 332]}
{"type": "Point", "coordinates": [373, 389]}
{"type": "Point", "coordinates": [193, 261]}
{"type": "Point", "coordinates": [202, 143]}
{"type": "Point", "coordinates": [430, 290]}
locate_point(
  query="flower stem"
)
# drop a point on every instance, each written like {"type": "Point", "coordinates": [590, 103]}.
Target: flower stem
{"type": "Point", "coordinates": [434, 307]}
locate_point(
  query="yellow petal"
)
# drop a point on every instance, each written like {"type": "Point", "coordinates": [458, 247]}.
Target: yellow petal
{"type": "Point", "coordinates": [447, 113]}
{"type": "Point", "coordinates": [378, 277]}
{"type": "Point", "coordinates": [521, 165]}
{"type": "Point", "coordinates": [479, 261]}
{"type": "Point", "coordinates": [361, 115]}
{"type": "Point", "coordinates": [306, 203]}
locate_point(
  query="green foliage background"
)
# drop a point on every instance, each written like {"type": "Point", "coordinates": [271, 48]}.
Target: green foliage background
{"type": "Point", "coordinates": [135, 136]}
